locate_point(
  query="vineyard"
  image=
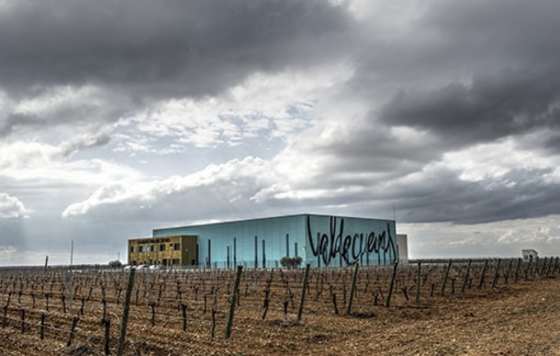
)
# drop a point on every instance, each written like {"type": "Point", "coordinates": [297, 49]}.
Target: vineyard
{"type": "Point", "coordinates": [195, 311]}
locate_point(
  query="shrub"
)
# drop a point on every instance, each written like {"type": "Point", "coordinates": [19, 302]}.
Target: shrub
{"type": "Point", "coordinates": [291, 262]}
{"type": "Point", "coordinates": [115, 264]}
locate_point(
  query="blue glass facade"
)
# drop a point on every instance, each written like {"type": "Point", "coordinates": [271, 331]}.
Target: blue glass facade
{"type": "Point", "coordinates": [320, 240]}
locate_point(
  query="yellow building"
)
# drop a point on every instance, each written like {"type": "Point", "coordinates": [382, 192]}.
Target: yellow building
{"type": "Point", "coordinates": [166, 251]}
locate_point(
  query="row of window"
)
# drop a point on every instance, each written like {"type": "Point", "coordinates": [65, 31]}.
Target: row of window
{"type": "Point", "coordinates": [153, 248]}
{"type": "Point", "coordinates": [164, 262]}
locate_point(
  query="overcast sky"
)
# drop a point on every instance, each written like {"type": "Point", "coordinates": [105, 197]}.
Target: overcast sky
{"type": "Point", "coordinates": [120, 116]}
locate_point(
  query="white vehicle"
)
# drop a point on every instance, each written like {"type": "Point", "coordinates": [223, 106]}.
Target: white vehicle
{"type": "Point", "coordinates": [529, 254]}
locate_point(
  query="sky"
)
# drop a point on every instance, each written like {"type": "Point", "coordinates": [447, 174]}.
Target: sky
{"type": "Point", "coordinates": [117, 117]}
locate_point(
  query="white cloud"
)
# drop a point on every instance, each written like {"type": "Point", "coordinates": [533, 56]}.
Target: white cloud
{"type": "Point", "coordinates": [501, 238]}
{"type": "Point", "coordinates": [324, 132]}
{"type": "Point", "coordinates": [56, 112]}
{"type": "Point", "coordinates": [495, 160]}
{"type": "Point", "coordinates": [11, 207]}
{"type": "Point", "coordinates": [226, 187]}
{"type": "Point", "coordinates": [265, 106]}
{"type": "Point", "coordinates": [58, 99]}
{"type": "Point", "coordinates": [25, 161]}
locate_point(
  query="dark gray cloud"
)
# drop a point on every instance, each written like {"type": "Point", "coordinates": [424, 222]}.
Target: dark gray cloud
{"type": "Point", "coordinates": [440, 195]}
{"type": "Point", "coordinates": [457, 77]}
{"type": "Point", "coordinates": [470, 72]}
{"type": "Point", "coordinates": [89, 113]}
{"type": "Point", "coordinates": [446, 41]}
{"type": "Point", "coordinates": [430, 89]}
{"type": "Point", "coordinates": [504, 104]}
{"type": "Point", "coordinates": [505, 31]}
{"type": "Point", "coordinates": [136, 52]}
{"type": "Point", "coordinates": [460, 75]}
{"type": "Point", "coordinates": [446, 197]}
{"type": "Point", "coordinates": [168, 48]}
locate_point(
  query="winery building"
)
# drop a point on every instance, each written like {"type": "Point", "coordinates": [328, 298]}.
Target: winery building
{"type": "Point", "coordinates": [320, 240]}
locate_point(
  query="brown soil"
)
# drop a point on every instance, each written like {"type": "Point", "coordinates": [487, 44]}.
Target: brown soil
{"type": "Point", "coordinates": [521, 320]}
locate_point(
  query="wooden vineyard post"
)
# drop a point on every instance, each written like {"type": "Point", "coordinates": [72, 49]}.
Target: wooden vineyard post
{"type": "Point", "coordinates": [104, 302]}
{"type": "Point", "coordinates": [153, 310]}
{"type": "Point", "coordinates": [516, 277]}
{"type": "Point", "coordinates": [184, 314]}
{"type": "Point", "coordinates": [42, 328]}
{"type": "Point", "coordinates": [482, 274]}
{"type": "Point", "coordinates": [392, 284]}
{"type": "Point", "coordinates": [266, 304]}
{"type": "Point", "coordinates": [22, 313]}
{"type": "Point", "coordinates": [5, 318]}
{"type": "Point", "coordinates": [508, 272]}
{"type": "Point", "coordinates": [333, 297]}
{"type": "Point", "coordinates": [466, 280]}
{"type": "Point", "coordinates": [548, 267]}
{"type": "Point", "coordinates": [353, 288]}
{"type": "Point", "coordinates": [303, 290]}
{"type": "Point", "coordinates": [72, 330]}
{"type": "Point", "coordinates": [528, 268]}
{"type": "Point", "coordinates": [124, 320]}
{"type": "Point", "coordinates": [418, 282]}
{"type": "Point", "coordinates": [63, 301]}
{"type": "Point", "coordinates": [543, 268]}
{"type": "Point", "coordinates": [213, 329]}
{"type": "Point", "coordinates": [535, 271]}
{"type": "Point", "coordinates": [446, 276]}
{"type": "Point", "coordinates": [233, 301]}
{"type": "Point", "coordinates": [496, 274]}
{"type": "Point", "coordinates": [107, 335]}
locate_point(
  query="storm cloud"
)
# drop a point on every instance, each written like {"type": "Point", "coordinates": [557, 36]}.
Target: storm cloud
{"type": "Point", "coordinates": [116, 117]}
{"type": "Point", "coordinates": [166, 49]}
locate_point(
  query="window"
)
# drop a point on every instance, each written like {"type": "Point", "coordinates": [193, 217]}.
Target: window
{"type": "Point", "coordinates": [152, 248]}
{"type": "Point", "coordinates": [177, 247]}
{"type": "Point", "coordinates": [162, 247]}
{"type": "Point", "coordinates": [131, 248]}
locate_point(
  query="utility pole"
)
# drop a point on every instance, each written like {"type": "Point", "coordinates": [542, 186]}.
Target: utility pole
{"type": "Point", "coordinates": [71, 252]}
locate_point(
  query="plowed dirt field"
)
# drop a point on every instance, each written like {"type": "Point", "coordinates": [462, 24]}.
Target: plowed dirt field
{"type": "Point", "coordinates": [523, 319]}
